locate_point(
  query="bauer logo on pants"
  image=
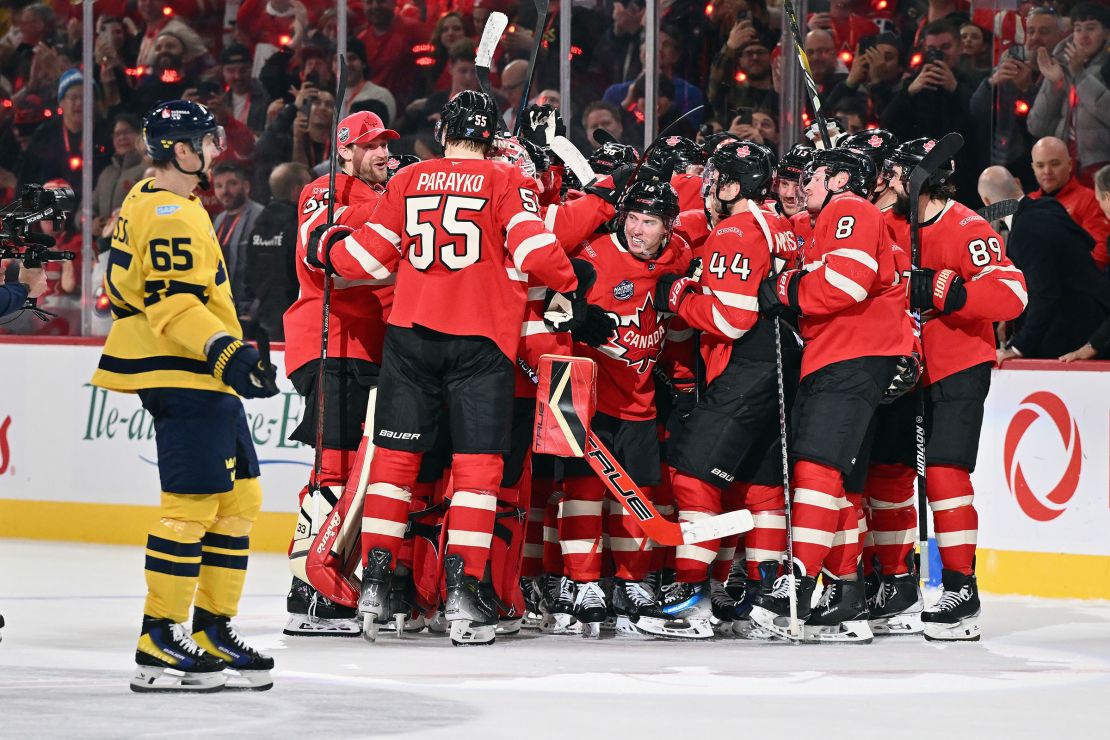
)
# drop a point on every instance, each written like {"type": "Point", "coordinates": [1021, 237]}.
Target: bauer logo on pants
{"type": "Point", "coordinates": [1042, 503]}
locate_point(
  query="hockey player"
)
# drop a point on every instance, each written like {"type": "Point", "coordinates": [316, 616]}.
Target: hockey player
{"type": "Point", "coordinates": [680, 160]}
{"type": "Point", "coordinates": [629, 263]}
{"type": "Point", "coordinates": [461, 229]}
{"type": "Point", "coordinates": [787, 190]}
{"type": "Point", "coordinates": [175, 340]}
{"type": "Point", "coordinates": [853, 321]}
{"type": "Point", "coordinates": [356, 329]}
{"type": "Point", "coordinates": [734, 426]}
{"type": "Point", "coordinates": [963, 284]}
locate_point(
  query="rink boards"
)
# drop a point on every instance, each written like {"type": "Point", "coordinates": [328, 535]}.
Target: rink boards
{"type": "Point", "coordinates": [78, 463]}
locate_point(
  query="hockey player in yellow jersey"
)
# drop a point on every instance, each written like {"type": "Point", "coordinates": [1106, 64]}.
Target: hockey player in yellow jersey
{"type": "Point", "coordinates": [176, 341]}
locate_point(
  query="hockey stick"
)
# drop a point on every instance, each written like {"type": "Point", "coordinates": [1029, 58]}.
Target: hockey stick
{"type": "Point", "coordinates": [807, 75]}
{"type": "Point", "coordinates": [941, 153]}
{"type": "Point", "coordinates": [543, 7]}
{"type": "Point", "coordinates": [998, 210]}
{"type": "Point", "coordinates": [629, 495]}
{"type": "Point", "coordinates": [325, 318]}
{"type": "Point", "coordinates": [574, 160]}
{"type": "Point", "coordinates": [483, 57]}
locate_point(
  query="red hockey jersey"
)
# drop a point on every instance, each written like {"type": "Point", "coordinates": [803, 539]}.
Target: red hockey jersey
{"type": "Point", "coordinates": [464, 231]}
{"type": "Point", "coordinates": [359, 307]}
{"type": "Point", "coordinates": [958, 239]}
{"type": "Point", "coordinates": [801, 223]}
{"type": "Point", "coordinates": [626, 287]}
{"type": "Point", "coordinates": [694, 228]}
{"type": "Point", "coordinates": [688, 188]}
{"type": "Point", "coordinates": [852, 303]}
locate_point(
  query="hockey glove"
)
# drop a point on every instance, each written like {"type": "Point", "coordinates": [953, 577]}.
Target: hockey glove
{"type": "Point", "coordinates": [611, 194]}
{"type": "Point", "coordinates": [694, 270]}
{"type": "Point", "coordinates": [541, 124]}
{"type": "Point", "coordinates": [906, 374]}
{"type": "Point", "coordinates": [320, 243]}
{"type": "Point", "coordinates": [778, 295]}
{"type": "Point", "coordinates": [239, 365]}
{"type": "Point", "coordinates": [596, 328]}
{"type": "Point", "coordinates": [942, 291]}
{"type": "Point", "coordinates": [671, 291]}
{"type": "Point", "coordinates": [567, 311]}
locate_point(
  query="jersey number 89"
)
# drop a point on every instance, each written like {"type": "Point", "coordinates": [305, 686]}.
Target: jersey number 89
{"type": "Point", "coordinates": [423, 253]}
{"type": "Point", "coordinates": [981, 251]}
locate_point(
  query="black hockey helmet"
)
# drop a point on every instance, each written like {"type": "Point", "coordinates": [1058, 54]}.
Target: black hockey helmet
{"type": "Point", "coordinates": [611, 155]}
{"type": "Point", "coordinates": [178, 120]}
{"type": "Point", "coordinates": [876, 143]}
{"type": "Point", "coordinates": [794, 161]}
{"type": "Point", "coordinates": [674, 154]}
{"type": "Point", "coordinates": [747, 163]}
{"type": "Point", "coordinates": [400, 161]}
{"type": "Point", "coordinates": [651, 197]}
{"type": "Point", "coordinates": [861, 170]}
{"type": "Point", "coordinates": [908, 154]}
{"type": "Point", "coordinates": [470, 115]}
{"type": "Point", "coordinates": [710, 143]}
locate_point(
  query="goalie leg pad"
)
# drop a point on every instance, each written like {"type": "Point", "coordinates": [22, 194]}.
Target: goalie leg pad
{"type": "Point", "coordinates": [565, 404]}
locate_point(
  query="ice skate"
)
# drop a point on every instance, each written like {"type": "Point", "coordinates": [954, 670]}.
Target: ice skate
{"type": "Point", "coordinates": [247, 668]}
{"type": "Point", "coordinates": [436, 622]}
{"type": "Point", "coordinates": [557, 606]}
{"type": "Point", "coordinates": [751, 591]}
{"type": "Point", "coordinates": [312, 614]}
{"type": "Point", "coordinates": [373, 604]}
{"type": "Point", "coordinates": [404, 616]}
{"type": "Point", "coordinates": [771, 611]}
{"type": "Point", "coordinates": [168, 659]}
{"type": "Point", "coordinates": [896, 607]}
{"type": "Point", "coordinates": [608, 584]}
{"type": "Point", "coordinates": [532, 588]}
{"type": "Point", "coordinates": [471, 609]}
{"type": "Point", "coordinates": [589, 608]}
{"type": "Point", "coordinates": [723, 607]}
{"type": "Point", "coordinates": [637, 612]}
{"type": "Point", "coordinates": [840, 615]}
{"type": "Point", "coordinates": [955, 616]}
{"type": "Point", "coordinates": [688, 611]}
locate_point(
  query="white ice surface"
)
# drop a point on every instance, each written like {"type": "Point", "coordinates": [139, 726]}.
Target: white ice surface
{"type": "Point", "coordinates": [73, 613]}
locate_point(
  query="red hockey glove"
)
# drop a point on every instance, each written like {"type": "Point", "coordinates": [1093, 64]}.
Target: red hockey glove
{"type": "Point", "coordinates": [943, 291]}
{"type": "Point", "coordinates": [778, 294]}
{"type": "Point", "coordinates": [671, 291]}
{"type": "Point", "coordinates": [320, 242]}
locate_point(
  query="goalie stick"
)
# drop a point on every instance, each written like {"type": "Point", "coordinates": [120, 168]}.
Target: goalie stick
{"type": "Point", "coordinates": [629, 495]}
{"type": "Point", "coordinates": [941, 153]}
{"type": "Point", "coordinates": [573, 159]}
{"type": "Point", "coordinates": [543, 7]}
{"type": "Point", "coordinates": [998, 210]}
{"type": "Point", "coordinates": [483, 57]}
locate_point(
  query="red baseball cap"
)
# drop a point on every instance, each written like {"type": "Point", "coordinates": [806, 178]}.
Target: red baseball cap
{"type": "Point", "coordinates": [362, 127]}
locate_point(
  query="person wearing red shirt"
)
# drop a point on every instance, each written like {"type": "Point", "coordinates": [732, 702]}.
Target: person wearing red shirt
{"type": "Point", "coordinates": [356, 331]}
{"type": "Point", "coordinates": [1053, 169]}
{"type": "Point", "coordinates": [389, 41]}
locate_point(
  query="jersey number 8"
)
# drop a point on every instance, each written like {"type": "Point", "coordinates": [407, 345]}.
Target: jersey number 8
{"type": "Point", "coordinates": [424, 251]}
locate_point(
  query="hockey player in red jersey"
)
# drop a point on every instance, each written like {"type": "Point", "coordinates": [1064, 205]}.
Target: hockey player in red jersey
{"type": "Point", "coordinates": [788, 192]}
{"type": "Point", "coordinates": [460, 228]}
{"type": "Point", "coordinates": [680, 160]}
{"type": "Point", "coordinates": [854, 324]}
{"type": "Point", "coordinates": [356, 329]}
{"type": "Point", "coordinates": [733, 430]}
{"type": "Point", "coordinates": [963, 284]}
{"type": "Point", "coordinates": [629, 263]}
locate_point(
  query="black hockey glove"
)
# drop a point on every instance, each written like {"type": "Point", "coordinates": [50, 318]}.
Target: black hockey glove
{"type": "Point", "coordinates": [671, 291]}
{"type": "Point", "coordinates": [567, 311]}
{"type": "Point", "coordinates": [694, 269]}
{"type": "Point", "coordinates": [778, 295]}
{"type": "Point", "coordinates": [906, 374]}
{"type": "Point", "coordinates": [611, 194]}
{"type": "Point", "coordinates": [942, 291]}
{"type": "Point", "coordinates": [239, 365]}
{"type": "Point", "coordinates": [597, 328]}
{"type": "Point", "coordinates": [320, 242]}
{"type": "Point", "coordinates": [541, 124]}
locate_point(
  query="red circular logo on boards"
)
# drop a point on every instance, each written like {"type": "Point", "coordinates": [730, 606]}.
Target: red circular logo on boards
{"type": "Point", "coordinates": [1039, 505]}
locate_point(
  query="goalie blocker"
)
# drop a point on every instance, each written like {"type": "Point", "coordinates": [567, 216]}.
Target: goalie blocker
{"type": "Point", "coordinates": [563, 415]}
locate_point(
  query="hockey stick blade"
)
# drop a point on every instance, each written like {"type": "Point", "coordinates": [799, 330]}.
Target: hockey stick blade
{"type": "Point", "coordinates": [574, 160]}
{"type": "Point", "coordinates": [483, 57]}
{"type": "Point", "coordinates": [602, 136]}
{"type": "Point", "coordinates": [998, 211]}
{"type": "Point", "coordinates": [943, 151]}
{"type": "Point", "coordinates": [716, 527]}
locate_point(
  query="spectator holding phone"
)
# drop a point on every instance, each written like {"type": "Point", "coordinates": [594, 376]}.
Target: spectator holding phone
{"type": "Point", "coordinates": [740, 76]}
{"type": "Point", "coordinates": [875, 74]}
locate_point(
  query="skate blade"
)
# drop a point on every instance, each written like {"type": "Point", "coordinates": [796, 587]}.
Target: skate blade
{"type": "Point", "coordinates": [627, 628]}
{"type": "Point", "coordinates": [721, 628]}
{"type": "Point", "coordinates": [776, 625]}
{"type": "Point", "coordinates": [509, 627]}
{"type": "Point", "coordinates": [674, 629]}
{"type": "Point", "coordinates": [404, 623]}
{"type": "Point", "coordinates": [463, 634]}
{"type": "Point", "coordinates": [152, 679]}
{"type": "Point", "coordinates": [745, 630]}
{"type": "Point", "coordinates": [558, 624]}
{"type": "Point", "coordinates": [301, 626]}
{"type": "Point", "coordinates": [609, 625]}
{"type": "Point", "coordinates": [248, 680]}
{"type": "Point", "coordinates": [856, 632]}
{"type": "Point", "coordinates": [966, 630]}
{"type": "Point", "coordinates": [899, 624]}
{"type": "Point", "coordinates": [370, 628]}
{"type": "Point", "coordinates": [590, 630]}
{"type": "Point", "coordinates": [531, 621]}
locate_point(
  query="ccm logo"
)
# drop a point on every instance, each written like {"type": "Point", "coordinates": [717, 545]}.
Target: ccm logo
{"type": "Point", "coordinates": [398, 435]}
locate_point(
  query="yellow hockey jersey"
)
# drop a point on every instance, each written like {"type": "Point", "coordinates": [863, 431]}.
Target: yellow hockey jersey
{"type": "Point", "coordinates": [170, 292]}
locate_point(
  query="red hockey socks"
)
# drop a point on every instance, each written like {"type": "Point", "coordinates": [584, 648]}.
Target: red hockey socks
{"type": "Point", "coordinates": [890, 495]}
{"type": "Point", "coordinates": [818, 492]}
{"type": "Point", "coordinates": [767, 540]}
{"type": "Point", "coordinates": [385, 509]}
{"type": "Point", "coordinates": [695, 500]}
{"type": "Point", "coordinates": [476, 480]}
{"type": "Point", "coordinates": [629, 546]}
{"type": "Point", "coordinates": [532, 564]}
{"type": "Point", "coordinates": [580, 527]}
{"type": "Point", "coordinates": [843, 557]}
{"type": "Point", "coordinates": [954, 518]}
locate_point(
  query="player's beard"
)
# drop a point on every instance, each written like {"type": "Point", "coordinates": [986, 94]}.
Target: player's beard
{"type": "Point", "coordinates": [901, 207]}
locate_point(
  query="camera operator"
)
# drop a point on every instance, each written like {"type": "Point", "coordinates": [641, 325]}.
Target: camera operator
{"type": "Point", "coordinates": [31, 283]}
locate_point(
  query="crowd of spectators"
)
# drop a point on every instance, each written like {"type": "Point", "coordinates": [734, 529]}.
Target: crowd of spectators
{"type": "Point", "coordinates": [1024, 82]}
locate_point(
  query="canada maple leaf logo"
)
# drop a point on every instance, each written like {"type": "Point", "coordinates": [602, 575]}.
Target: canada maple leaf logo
{"type": "Point", "coordinates": [672, 140]}
{"type": "Point", "coordinates": [743, 151]}
{"type": "Point", "coordinates": [875, 141]}
{"type": "Point", "coordinates": [638, 337]}
{"type": "Point", "coordinates": [928, 146]}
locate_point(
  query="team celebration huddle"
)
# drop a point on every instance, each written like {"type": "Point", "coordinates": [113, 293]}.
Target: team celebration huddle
{"type": "Point", "coordinates": [695, 392]}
